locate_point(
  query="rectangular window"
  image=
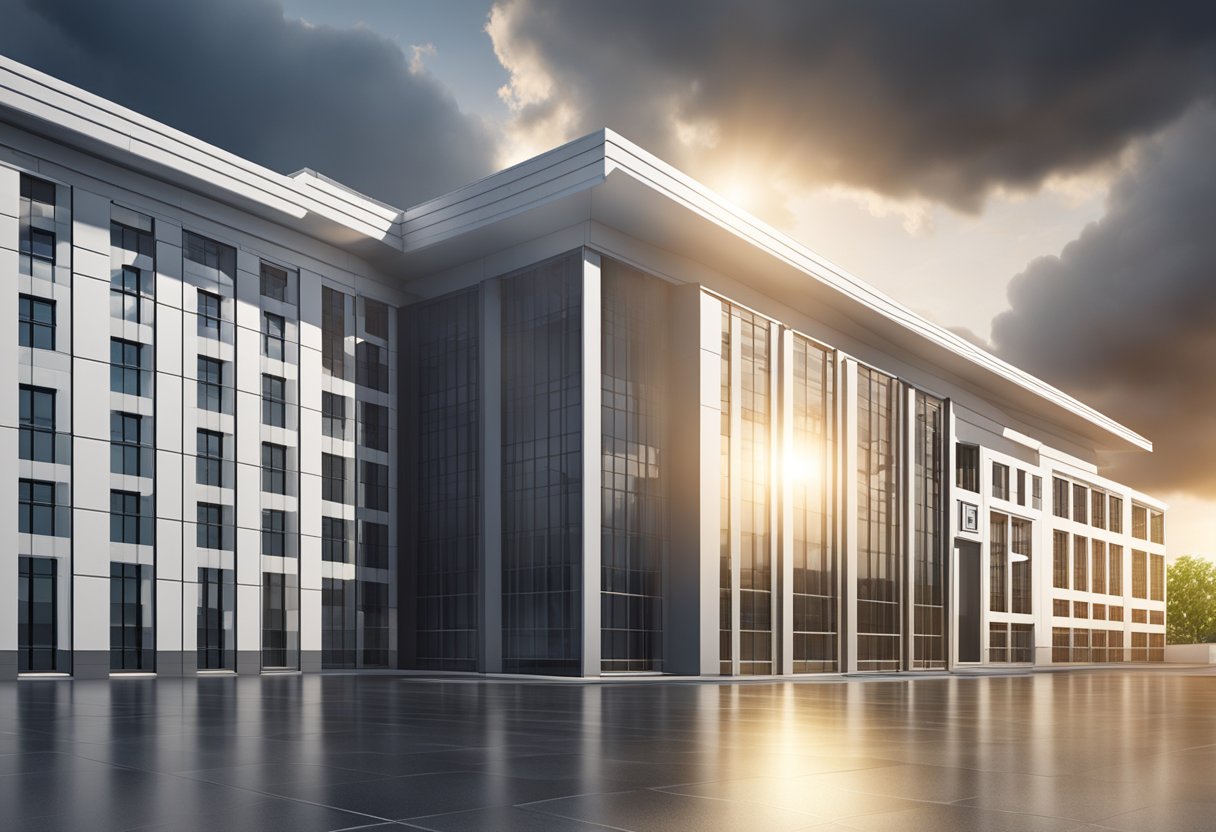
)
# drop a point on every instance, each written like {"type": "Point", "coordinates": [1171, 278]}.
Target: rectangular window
{"type": "Point", "coordinates": [37, 615]}
{"type": "Point", "coordinates": [373, 481]}
{"type": "Point", "coordinates": [1061, 608]}
{"type": "Point", "coordinates": [126, 367]}
{"type": "Point", "coordinates": [333, 332]}
{"type": "Point", "coordinates": [125, 294]}
{"type": "Point", "coordinates": [36, 507]}
{"type": "Point", "coordinates": [371, 366]}
{"type": "Point", "coordinates": [1080, 563]}
{"type": "Point", "coordinates": [280, 620]}
{"type": "Point", "coordinates": [338, 631]}
{"type": "Point", "coordinates": [1139, 574]}
{"type": "Point", "coordinates": [274, 282]}
{"type": "Point", "coordinates": [1156, 565]}
{"type": "Point", "coordinates": [1080, 609]}
{"type": "Point", "coordinates": [333, 415]}
{"type": "Point", "coordinates": [967, 467]}
{"type": "Point", "coordinates": [126, 444]}
{"type": "Point", "coordinates": [210, 532]}
{"type": "Point", "coordinates": [126, 523]}
{"type": "Point", "coordinates": [998, 550]}
{"type": "Point", "coordinates": [1036, 492]}
{"type": "Point", "coordinates": [1059, 560]}
{"type": "Point", "coordinates": [1080, 503]}
{"type": "Point", "coordinates": [374, 426]}
{"type": "Point", "coordinates": [1059, 497]}
{"type": "Point", "coordinates": [210, 384]}
{"type": "Point", "coordinates": [1139, 522]}
{"type": "Point", "coordinates": [1156, 617]}
{"type": "Point", "coordinates": [1115, 573]}
{"type": "Point", "coordinates": [1139, 616]}
{"type": "Point", "coordinates": [216, 258]}
{"type": "Point", "coordinates": [333, 540]}
{"type": "Point", "coordinates": [1060, 641]}
{"type": "Point", "coordinates": [210, 308]}
{"type": "Point", "coordinates": [133, 233]}
{"type": "Point", "coordinates": [36, 323]}
{"type": "Point", "coordinates": [131, 630]}
{"type": "Point", "coordinates": [1116, 514]}
{"type": "Point", "coordinates": [375, 318]}
{"type": "Point", "coordinates": [273, 329]}
{"type": "Point", "coordinates": [216, 646]}
{"type": "Point", "coordinates": [1099, 611]}
{"type": "Point", "coordinates": [1021, 561]}
{"type": "Point", "coordinates": [274, 401]}
{"type": "Point", "coordinates": [333, 478]}
{"type": "Point", "coordinates": [1000, 481]}
{"type": "Point", "coordinates": [36, 440]}
{"type": "Point", "coordinates": [274, 468]}
{"type": "Point", "coordinates": [274, 533]}
{"type": "Point", "coordinates": [39, 245]}
{"type": "Point", "coordinates": [209, 463]}
{"type": "Point", "coordinates": [1097, 506]}
{"type": "Point", "coordinates": [1156, 527]}
{"type": "Point", "coordinates": [373, 545]}
{"type": "Point", "coordinates": [1021, 487]}
{"type": "Point", "coordinates": [1097, 576]}
{"type": "Point", "coordinates": [1114, 613]}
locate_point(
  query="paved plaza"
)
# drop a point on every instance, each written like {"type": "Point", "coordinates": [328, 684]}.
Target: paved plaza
{"type": "Point", "coordinates": [1124, 749]}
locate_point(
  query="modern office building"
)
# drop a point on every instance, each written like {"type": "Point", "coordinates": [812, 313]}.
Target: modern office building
{"type": "Point", "coordinates": [579, 417]}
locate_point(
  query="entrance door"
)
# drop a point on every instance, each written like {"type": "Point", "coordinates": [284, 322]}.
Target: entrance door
{"type": "Point", "coordinates": [970, 613]}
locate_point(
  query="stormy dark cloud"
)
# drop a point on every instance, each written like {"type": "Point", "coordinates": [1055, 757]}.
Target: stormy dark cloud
{"type": "Point", "coordinates": [239, 75]}
{"type": "Point", "coordinates": [1125, 316]}
{"type": "Point", "coordinates": [943, 100]}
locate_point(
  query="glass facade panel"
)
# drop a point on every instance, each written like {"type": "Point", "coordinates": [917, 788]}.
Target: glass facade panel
{"type": "Point", "coordinates": [755, 520]}
{"type": "Point", "coordinates": [879, 625]}
{"type": "Point", "coordinates": [1021, 568]}
{"type": "Point", "coordinates": [815, 569]}
{"type": "Point", "coordinates": [929, 577]}
{"type": "Point", "coordinates": [445, 344]}
{"type": "Point", "coordinates": [542, 484]}
{"type": "Point", "coordinates": [333, 332]}
{"type": "Point", "coordinates": [280, 621]}
{"type": "Point", "coordinates": [132, 642]}
{"type": "Point", "coordinates": [337, 623]}
{"type": "Point", "coordinates": [998, 557]}
{"type": "Point", "coordinates": [216, 620]}
{"type": "Point", "coordinates": [633, 534]}
{"type": "Point", "coordinates": [38, 616]}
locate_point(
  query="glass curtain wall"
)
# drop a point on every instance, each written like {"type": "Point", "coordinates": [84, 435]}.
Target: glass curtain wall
{"type": "Point", "coordinates": [216, 619]}
{"type": "Point", "coordinates": [633, 537]}
{"type": "Point", "coordinates": [755, 521]}
{"type": "Point", "coordinates": [446, 336]}
{"type": "Point", "coordinates": [879, 627]}
{"type": "Point", "coordinates": [810, 480]}
{"type": "Point", "coordinates": [542, 488]}
{"type": "Point", "coordinates": [929, 576]}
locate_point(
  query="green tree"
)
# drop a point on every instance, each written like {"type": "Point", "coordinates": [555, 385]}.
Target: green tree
{"type": "Point", "coordinates": [1190, 607]}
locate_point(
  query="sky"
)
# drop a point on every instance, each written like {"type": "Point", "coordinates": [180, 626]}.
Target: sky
{"type": "Point", "coordinates": [1038, 177]}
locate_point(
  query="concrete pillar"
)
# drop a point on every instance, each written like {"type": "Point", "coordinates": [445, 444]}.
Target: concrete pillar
{"type": "Point", "coordinates": [592, 462]}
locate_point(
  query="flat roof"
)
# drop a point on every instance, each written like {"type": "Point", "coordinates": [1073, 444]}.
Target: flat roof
{"type": "Point", "coordinates": [601, 177]}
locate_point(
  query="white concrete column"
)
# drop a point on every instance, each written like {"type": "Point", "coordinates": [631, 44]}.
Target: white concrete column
{"type": "Point", "coordinates": [592, 462]}
{"type": "Point", "coordinates": [848, 512]}
{"type": "Point", "coordinates": [490, 366]}
{"type": "Point", "coordinates": [783, 572]}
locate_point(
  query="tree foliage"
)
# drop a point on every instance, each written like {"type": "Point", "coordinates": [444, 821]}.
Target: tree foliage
{"type": "Point", "coordinates": [1190, 613]}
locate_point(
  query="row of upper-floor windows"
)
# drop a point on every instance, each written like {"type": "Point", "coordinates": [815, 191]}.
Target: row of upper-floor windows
{"type": "Point", "coordinates": [1084, 504]}
{"type": "Point", "coordinates": [1024, 488]}
{"type": "Point", "coordinates": [131, 521]}
{"type": "Point", "coordinates": [1096, 566]}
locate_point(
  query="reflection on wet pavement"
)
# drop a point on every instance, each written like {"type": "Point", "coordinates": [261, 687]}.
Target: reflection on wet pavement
{"type": "Point", "coordinates": [1132, 749]}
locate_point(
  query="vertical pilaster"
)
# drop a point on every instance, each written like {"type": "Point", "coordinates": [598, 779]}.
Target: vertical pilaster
{"type": "Point", "coordinates": [848, 496]}
{"type": "Point", "coordinates": [783, 447]}
{"type": "Point", "coordinates": [908, 518]}
{"type": "Point", "coordinates": [736, 485]}
{"type": "Point", "coordinates": [592, 462]}
{"type": "Point", "coordinates": [10, 208]}
{"type": "Point", "coordinates": [490, 367]}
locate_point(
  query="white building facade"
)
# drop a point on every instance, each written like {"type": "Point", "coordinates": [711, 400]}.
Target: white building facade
{"type": "Point", "coordinates": [580, 417]}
